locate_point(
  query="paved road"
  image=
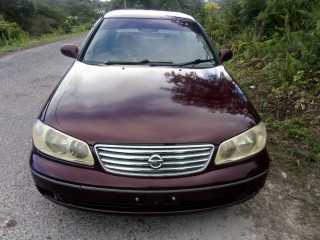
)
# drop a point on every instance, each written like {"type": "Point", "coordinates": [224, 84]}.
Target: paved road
{"type": "Point", "coordinates": [26, 79]}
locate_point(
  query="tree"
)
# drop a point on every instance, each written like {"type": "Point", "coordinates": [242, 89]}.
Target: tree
{"type": "Point", "coordinates": [19, 11]}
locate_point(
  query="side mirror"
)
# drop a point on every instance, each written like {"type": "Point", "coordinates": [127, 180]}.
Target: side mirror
{"type": "Point", "coordinates": [69, 50]}
{"type": "Point", "coordinates": [225, 54]}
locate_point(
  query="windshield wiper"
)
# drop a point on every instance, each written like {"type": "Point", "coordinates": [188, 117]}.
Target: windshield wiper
{"type": "Point", "coordinates": [143, 62]}
{"type": "Point", "coordinates": [158, 63]}
{"type": "Point", "coordinates": [195, 62]}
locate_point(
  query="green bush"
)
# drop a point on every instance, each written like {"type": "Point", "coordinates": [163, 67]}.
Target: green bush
{"type": "Point", "coordinates": [10, 32]}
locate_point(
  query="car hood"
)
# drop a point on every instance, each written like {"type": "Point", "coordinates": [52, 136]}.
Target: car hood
{"type": "Point", "coordinates": [143, 104]}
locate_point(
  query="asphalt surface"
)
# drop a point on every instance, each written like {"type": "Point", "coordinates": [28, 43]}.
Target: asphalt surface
{"type": "Point", "coordinates": [27, 77]}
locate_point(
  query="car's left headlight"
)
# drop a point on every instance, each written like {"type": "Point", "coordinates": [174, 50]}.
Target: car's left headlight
{"type": "Point", "coordinates": [59, 145]}
{"type": "Point", "coordinates": [242, 146]}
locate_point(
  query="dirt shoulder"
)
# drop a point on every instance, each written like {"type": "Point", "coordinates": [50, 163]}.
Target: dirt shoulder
{"type": "Point", "coordinates": [285, 209]}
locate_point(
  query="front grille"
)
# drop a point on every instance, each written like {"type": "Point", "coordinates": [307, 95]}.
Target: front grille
{"type": "Point", "coordinates": [154, 160]}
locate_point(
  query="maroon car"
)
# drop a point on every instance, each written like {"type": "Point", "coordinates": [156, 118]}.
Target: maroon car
{"type": "Point", "coordinates": [148, 121]}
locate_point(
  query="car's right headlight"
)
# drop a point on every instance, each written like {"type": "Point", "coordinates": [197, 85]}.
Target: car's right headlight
{"type": "Point", "coordinates": [59, 145]}
{"type": "Point", "coordinates": [242, 146]}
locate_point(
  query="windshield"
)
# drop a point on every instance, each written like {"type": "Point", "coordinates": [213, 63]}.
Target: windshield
{"type": "Point", "coordinates": [143, 41]}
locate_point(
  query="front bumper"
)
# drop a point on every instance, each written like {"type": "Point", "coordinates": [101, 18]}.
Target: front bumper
{"type": "Point", "coordinates": [93, 190]}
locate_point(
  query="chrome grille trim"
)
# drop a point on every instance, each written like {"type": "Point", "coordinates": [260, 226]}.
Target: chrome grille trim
{"type": "Point", "coordinates": [133, 159]}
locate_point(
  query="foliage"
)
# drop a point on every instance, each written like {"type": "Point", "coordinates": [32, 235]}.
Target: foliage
{"type": "Point", "coordinates": [38, 17]}
{"type": "Point", "coordinates": [18, 11]}
{"type": "Point", "coordinates": [10, 31]}
{"type": "Point", "coordinates": [276, 31]}
{"type": "Point", "coordinates": [192, 7]}
{"type": "Point", "coordinates": [82, 10]}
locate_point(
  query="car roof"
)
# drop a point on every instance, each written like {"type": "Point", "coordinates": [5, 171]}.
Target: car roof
{"type": "Point", "coordinates": [146, 14]}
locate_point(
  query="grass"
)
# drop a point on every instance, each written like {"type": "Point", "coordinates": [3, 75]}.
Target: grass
{"type": "Point", "coordinates": [31, 42]}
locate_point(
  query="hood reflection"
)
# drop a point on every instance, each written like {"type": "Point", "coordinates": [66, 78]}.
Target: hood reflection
{"type": "Point", "coordinates": [212, 92]}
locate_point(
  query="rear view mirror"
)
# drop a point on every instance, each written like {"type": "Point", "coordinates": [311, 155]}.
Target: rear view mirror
{"type": "Point", "coordinates": [69, 50]}
{"type": "Point", "coordinates": [225, 54]}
